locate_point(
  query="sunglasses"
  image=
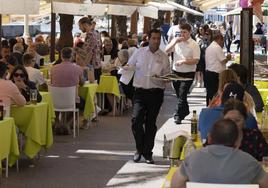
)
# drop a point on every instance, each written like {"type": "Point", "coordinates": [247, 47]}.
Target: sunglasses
{"type": "Point", "coordinates": [18, 74]}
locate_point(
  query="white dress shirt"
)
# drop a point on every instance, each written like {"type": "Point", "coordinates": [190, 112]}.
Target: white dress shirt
{"type": "Point", "coordinates": [148, 64]}
{"type": "Point", "coordinates": [35, 76]}
{"type": "Point", "coordinates": [213, 56]}
{"type": "Point", "coordinates": [186, 50]}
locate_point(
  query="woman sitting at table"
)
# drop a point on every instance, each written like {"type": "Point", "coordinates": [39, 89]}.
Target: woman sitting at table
{"type": "Point", "coordinates": [20, 77]}
{"type": "Point", "coordinates": [9, 93]}
{"type": "Point", "coordinates": [229, 76]}
{"type": "Point", "coordinates": [253, 141]}
{"type": "Point", "coordinates": [108, 65]}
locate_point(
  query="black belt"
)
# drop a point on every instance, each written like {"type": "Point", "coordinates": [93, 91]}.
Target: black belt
{"type": "Point", "coordinates": [212, 72]}
{"type": "Point", "coordinates": [149, 90]}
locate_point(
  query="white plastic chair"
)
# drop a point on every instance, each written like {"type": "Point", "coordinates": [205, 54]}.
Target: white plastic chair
{"type": "Point", "coordinates": [64, 101]}
{"type": "Point", "coordinates": [212, 185]}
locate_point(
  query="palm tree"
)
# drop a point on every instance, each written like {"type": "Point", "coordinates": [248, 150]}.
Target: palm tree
{"type": "Point", "coordinates": [66, 27]}
{"type": "Point", "coordinates": [121, 26]}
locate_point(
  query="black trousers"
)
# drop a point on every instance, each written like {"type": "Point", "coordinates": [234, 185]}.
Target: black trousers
{"type": "Point", "coordinates": [228, 43]}
{"type": "Point", "coordinates": [147, 103]}
{"type": "Point", "coordinates": [211, 81]}
{"type": "Point", "coordinates": [182, 89]}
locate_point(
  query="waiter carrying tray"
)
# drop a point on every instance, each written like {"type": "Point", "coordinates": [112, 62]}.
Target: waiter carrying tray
{"type": "Point", "coordinates": [149, 93]}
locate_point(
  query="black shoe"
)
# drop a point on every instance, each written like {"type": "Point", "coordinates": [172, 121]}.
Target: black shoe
{"type": "Point", "coordinates": [177, 120]}
{"type": "Point", "coordinates": [149, 160]}
{"type": "Point", "coordinates": [137, 157]}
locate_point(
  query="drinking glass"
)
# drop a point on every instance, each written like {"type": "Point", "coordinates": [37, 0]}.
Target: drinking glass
{"type": "Point", "coordinates": [33, 96]}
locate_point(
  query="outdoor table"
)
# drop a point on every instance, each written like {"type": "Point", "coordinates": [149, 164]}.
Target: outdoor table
{"type": "Point", "coordinates": [198, 144]}
{"type": "Point", "coordinates": [264, 95]}
{"type": "Point", "coordinates": [46, 97]}
{"type": "Point", "coordinates": [87, 92]}
{"type": "Point", "coordinates": [8, 141]}
{"type": "Point", "coordinates": [261, 84]}
{"type": "Point", "coordinates": [109, 84]}
{"type": "Point", "coordinates": [35, 122]}
{"type": "Point", "coordinates": [45, 70]}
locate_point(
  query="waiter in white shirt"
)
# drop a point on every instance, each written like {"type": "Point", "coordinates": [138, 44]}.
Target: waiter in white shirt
{"type": "Point", "coordinates": [215, 63]}
{"type": "Point", "coordinates": [149, 93]}
{"type": "Point", "coordinates": [186, 56]}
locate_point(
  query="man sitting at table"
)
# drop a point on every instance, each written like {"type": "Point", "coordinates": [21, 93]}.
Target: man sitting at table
{"type": "Point", "coordinates": [9, 92]}
{"type": "Point", "coordinates": [68, 74]}
{"type": "Point", "coordinates": [221, 161]}
{"type": "Point", "coordinates": [34, 74]}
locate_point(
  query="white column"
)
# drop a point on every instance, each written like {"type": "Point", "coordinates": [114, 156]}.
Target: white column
{"type": "Point", "coordinates": [26, 25]}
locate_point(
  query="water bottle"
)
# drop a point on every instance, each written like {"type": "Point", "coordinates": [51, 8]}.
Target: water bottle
{"type": "Point", "coordinates": [194, 126]}
{"type": "Point", "coordinates": [1, 110]}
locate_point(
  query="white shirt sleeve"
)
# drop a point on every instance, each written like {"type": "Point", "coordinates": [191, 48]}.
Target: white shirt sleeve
{"type": "Point", "coordinates": [39, 78]}
{"type": "Point", "coordinates": [133, 59]}
{"type": "Point", "coordinates": [166, 66]}
{"type": "Point", "coordinates": [220, 54]}
{"type": "Point", "coordinates": [196, 51]}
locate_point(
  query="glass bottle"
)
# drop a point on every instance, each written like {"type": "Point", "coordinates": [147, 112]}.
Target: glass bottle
{"type": "Point", "coordinates": [194, 126]}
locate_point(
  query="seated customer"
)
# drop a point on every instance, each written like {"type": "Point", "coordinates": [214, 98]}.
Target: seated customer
{"type": "Point", "coordinates": [67, 74]}
{"type": "Point", "coordinates": [242, 74]}
{"type": "Point", "coordinates": [229, 76]}
{"type": "Point", "coordinates": [20, 77]}
{"type": "Point", "coordinates": [34, 74]}
{"type": "Point", "coordinates": [208, 116]}
{"type": "Point", "coordinates": [253, 141]}
{"type": "Point", "coordinates": [9, 92]}
{"type": "Point", "coordinates": [221, 161]}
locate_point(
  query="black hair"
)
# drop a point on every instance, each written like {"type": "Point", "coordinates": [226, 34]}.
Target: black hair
{"type": "Point", "coordinates": [241, 72]}
{"type": "Point", "coordinates": [66, 53]}
{"type": "Point", "coordinates": [12, 60]}
{"type": "Point", "coordinates": [224, 132]}
{"type": "Point", "coordinates": [153, 31]}
{"type": "Point", "coordinates": [85, 20]}
{"type": "Point", "coordinates": [4, 43]}
{"type": "Point", "coordinates": [26, 58]}
{"type": "Point", "coordinates": [22, 68]}
{"type": "Point", "coordinates": [3, 69]}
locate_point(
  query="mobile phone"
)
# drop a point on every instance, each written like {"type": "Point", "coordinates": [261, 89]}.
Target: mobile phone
{"type": "Point", "coordinates": [177, 33]}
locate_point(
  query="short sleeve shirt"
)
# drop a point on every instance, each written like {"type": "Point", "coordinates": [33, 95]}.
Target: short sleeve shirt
{"type": "Point", "coordinates": [213, 56]}
{"type": "Point", "coordinates": [35, 75]}
{"type": "Point", "coordinates": [66, 74]}
{"type": "Point", "coordinates": [173, 31]}
{"type": "Point", "coordinates": [221, 164]}
{"type": "Point", "coordinates": [186, 50]}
